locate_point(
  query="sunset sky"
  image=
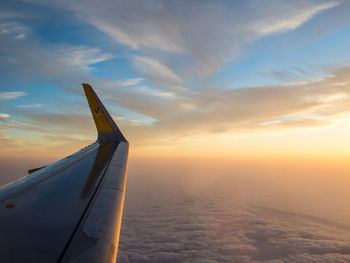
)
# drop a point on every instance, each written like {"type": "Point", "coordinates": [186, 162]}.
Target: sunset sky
{"type": "Point", "coordinates": [237, 113]}
{"type": "Point", "coordinates": [223, 79]}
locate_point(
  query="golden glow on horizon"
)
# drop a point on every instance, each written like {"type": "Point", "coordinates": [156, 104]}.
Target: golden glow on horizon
{"type": "Point", "coordinates": [308, 142]}
{"type": "Point", "coordinates": [322, 142]}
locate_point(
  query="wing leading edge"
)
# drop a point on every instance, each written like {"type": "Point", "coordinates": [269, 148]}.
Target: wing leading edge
{"type": "Point", "coordinates": [69, 211]}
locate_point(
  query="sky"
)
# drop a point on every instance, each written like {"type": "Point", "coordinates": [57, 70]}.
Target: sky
{"type": "Point", "coordinates": [204, 79]}
{"type": "Point", "coordinates": [237, 114]}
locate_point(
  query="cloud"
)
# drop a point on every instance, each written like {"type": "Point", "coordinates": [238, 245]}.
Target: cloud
{"type": "Point", "coordinates": [20, 36]}
{"type": "Point", "coordinates": [55, 138]}
{"type": "Point", "coordinates": [128, 82]}
{"type": "Point", "coordinates": [65, 139]}
{"type": "Point", "coordinates": [62, 122]}
{"type": "Point", "coordinates": [147, 91]}
{"type": "Point", "coordinates": [135, 122]}
{"type": "Point", "coordinates": [7, 142]}
{"type": "Point", "coordinates": [115, 84]}
{"type": "Point", "coordinates": [198, 37]}
{"type": "Point", "coordinates": [276, 24]}
{"type": "Point", "coordinates": [207, 212]}
{"type": "Point", "coordinates": [206, 35]}
{"type": "Point", "coordinates": [117, 118]}
{"type": "Point", "coordinates": [157, 72]}
{"type": "Point", "coordinates": [4, 115]}
{"type": "Point", "coordinates": [150, 39]}
{"type": "Point", "coordinates": [80, 56]}
{"type": "Point", "coordinates": [163, 93]}
{"type": "Point", "coordinates": [48, 60]}
{"type": "Point", "coordinates": [297, 105]}
{"type": "Point", "coordinates": [15, 29]}
{"type": "Point", "coordinates": [26, 106]}
{"type": "Point", "coordinates": [8, 123]}
{"type": "Point", "coordinates": [303, 104]}
{"type": "Point", "coordinates": [295, 122]}
{"type": "Point", "coordinates": [11, 95]}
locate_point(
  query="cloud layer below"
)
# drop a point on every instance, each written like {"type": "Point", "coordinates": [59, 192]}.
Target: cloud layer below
{"type": "Point", "coordinates": [195, 212]}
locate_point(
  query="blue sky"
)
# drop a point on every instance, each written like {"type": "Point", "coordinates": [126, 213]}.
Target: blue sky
{"type": "Point", "coordinates": [170, 69]}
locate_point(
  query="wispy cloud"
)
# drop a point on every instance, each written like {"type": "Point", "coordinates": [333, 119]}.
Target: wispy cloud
{"type": "Point", "coordinates": [80, 56]}
{"type": "Point", "coordinates": [303, 105]}
{"type": "Point", "coordinates": [20, 36]}
{"type": "Point", "coordinates": [27, 106]}
{"type": "Point", "coordinates": [204, 36]}
{"type": "Point", "coordinates": [277, 24]}
{"type": "Point", "coordinates": [157, 72]}
{"type": "Point", "coordinates": [4, 115]}
{"type": "Point", "coordinates": [117, 118]}
{"type": "Point", "coordinates": [138, 41]}
{"type": "Point", "coordinates": [9, 123]}
{"type": "Point", "coordinates": [14, 28]}
{"type": "Point", "coordinates": [135, 122]}
{"type": "Point", "coordinates": [11, 95]}
{"type": "Point", "coordinates": [115, 84]}
{"type": "Point", "coordinates": [163, 93]}
{"type": "Point", "coordinates": [50, 60]}
{"type": "Point", "coordinates": [170, 47]}
{"type": "Point", "coordinates": [8, 143]}
{"type": "Point", "coordinates": [217, 110]}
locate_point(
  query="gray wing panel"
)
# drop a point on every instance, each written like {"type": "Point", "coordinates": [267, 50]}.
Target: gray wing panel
{"type": "Point", "coordinates": [97, 238]}
{"type": "Point", "coordinates": [39, 214]}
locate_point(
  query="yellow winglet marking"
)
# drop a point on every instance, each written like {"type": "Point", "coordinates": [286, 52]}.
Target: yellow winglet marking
{"type": "Point", "coordinates": [100, 119]}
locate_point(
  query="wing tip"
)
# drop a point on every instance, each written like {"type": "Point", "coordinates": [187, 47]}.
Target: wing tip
{"type": "Point", "coordinates": [86, 86]}
{"type": "Point", "coordinates": [106, 127]}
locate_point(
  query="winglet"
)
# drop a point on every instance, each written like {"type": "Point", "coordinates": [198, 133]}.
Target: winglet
{"type": "Point", "coordinates": [106, 127]}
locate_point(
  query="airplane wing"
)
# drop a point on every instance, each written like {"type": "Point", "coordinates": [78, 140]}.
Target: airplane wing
{"type": "Point", "coordinates": [69, 211]}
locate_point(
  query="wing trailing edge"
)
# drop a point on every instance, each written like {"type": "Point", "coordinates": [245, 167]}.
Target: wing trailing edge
{"type": "Point", "coordinates": [106, 127]}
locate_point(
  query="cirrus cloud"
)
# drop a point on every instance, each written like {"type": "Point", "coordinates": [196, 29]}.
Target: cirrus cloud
{"type": "Point", "coordinates": [203, 35]}
{"type": "Point", "coordinates": [11, 95]}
